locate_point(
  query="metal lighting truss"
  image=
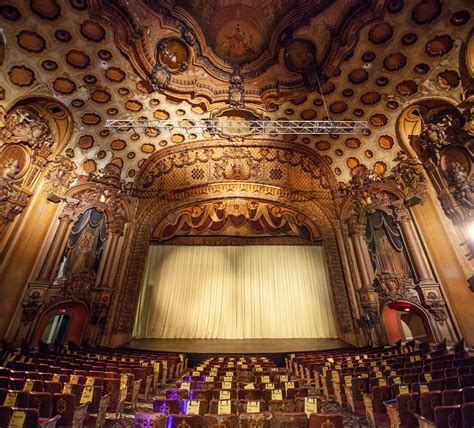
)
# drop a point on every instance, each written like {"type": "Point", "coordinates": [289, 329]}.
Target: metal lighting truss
{"type": "Point", "coordinates": [241, 127]}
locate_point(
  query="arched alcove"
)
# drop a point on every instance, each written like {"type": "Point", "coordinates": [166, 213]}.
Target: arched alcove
{"type": "Point", "coordinates": [78, 316]}
{"type": "Point", "coordinates": [406, 321]}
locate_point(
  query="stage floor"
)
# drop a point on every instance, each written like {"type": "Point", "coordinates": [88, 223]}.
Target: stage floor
{"type": "Point", "coordinates": [237, 346]}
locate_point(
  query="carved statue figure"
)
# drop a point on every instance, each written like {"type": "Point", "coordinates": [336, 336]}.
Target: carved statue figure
{"type": "Point", "coordinates": [463, 185]}
{"type": "Point", "coordinates": [21, 126]}
{"type": "Point", "coordinates": [7, 174]}
{"type": "Point", "coordinates": [433, 136]}
{"type": "Point", "coordinates": [390, 260]}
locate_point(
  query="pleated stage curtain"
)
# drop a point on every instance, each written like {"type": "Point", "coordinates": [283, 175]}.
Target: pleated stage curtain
{"type": "Point", "coordinates": [235, 292]}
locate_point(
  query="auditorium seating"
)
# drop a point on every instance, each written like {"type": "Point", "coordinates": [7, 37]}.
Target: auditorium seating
{"type": "Point", "coordinates": [401, 386]}
{"type": "Point", "coordinates": [240, 391]}
{"type": "Point", "coordinates": [77, 387]}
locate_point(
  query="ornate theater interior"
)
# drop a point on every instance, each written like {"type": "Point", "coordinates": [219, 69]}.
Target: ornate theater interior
{"type": "Point", "coordinates": [205, 176]}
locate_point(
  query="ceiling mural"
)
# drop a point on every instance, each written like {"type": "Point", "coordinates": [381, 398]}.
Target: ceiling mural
{"type": "Point", "coordinates": [190, 60]}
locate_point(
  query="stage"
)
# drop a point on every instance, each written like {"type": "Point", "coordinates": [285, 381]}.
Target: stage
{"type": "Point", "coordinates": [277, 348]}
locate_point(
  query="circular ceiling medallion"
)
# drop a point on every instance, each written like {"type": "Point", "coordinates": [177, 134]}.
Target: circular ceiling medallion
{"type": "Point", "coordinates": [63, 35]}
{"type": "Point", "coordinates": [90, 79]}
{"type": "Point", "coordinates": [378, 120]}
{"type": "Point", "coordinates": [348, 92]}
{"type": "Point", "coordinates": [358, 112]}
{"type": "Point", "coordinates": [85, 142]}
{"type": "Point", "coordinates": [21, 76]}
{"type": "Point", "coordinates": [115, 74]}
{"type": "Point", "coordinates": [368, 56]}
{"type": "Point", "coordinates": [409, 39]}
{"type": "Point", "coordinates": [339, 152]}
{"type": "Point", "coordinates": [352, 143]}
{"type": "Point", "coordinates": [112, 111]}
{"type": "Point", "coordinates": [370, 97]}
{"type": "Point", "coordinates": [381, 81]}
{"type": "Point", "coordinates": [92, 31]}
{"type": "Point", "coordinates": [77, 58]}
{"type": "Point", "coordinates": [104, 133]}
{"type": "Point", "coordinates": [89, 166]}
{"type": "Point", "coordinates": [77, 103]}
{"type": "Point", "coordinates": [46, 9]}
{"type": "Point", "coordinates": [407, 87]}
{"type": "Point", "coordinates": [380, 33]}
{"type": "Point", "coordinates": [31, 41]}
{"type": "Point", "coordinates": [460, 17]}
{"type": "Point", "coordinates": [392, 104]}
{"type": "Point", "coordinates": [133, 105]}
{"type": "Point", "coordinates": [79, 4]}
{"type": "Point", "coordinates": [394, 6]}
{"type": "Point", "coordinates": [380, 168]}
{"type": "Point", "coordinates": [131, 155]}
{"type": "Point", "coordinates": [49, 65]}
{"type": "Point", "coordinates": [352, 162]}
{"type": "Point", "coordinates": [439, 45]}
{"type": "Point", "coordinates": [148, 148]}
{"type": "Point", "coordinates": [90, 119]}
{"type": "Point", "coordinates": [118, 144]}
{"type": "Point", "coordinates": [100, 96]}
{"type": "Point", "coordinates": [449, 79]}
{"type": "Point", "coordinates": [101, 154]}
{"type": "Point", "coordinates": [338, 107]}
{"type": "Point", "coordinates": [161, 114]}
{"type": "Point", "coordinates": [358, 75]}
{"type": "Point", "coordinates": [426, 11]}
{"type": "Point", "coordinates": [173, 53]}
{"type": "Point", "coordinates": [369, 154]}
{"type": "Point", "coordinates": [300, 56]}
{"type": "Point", "coordinates": [394, 61]}
{"type": "Point", "coordinates": [9, 12]}
{"type": "Point", "coordinates": [327, 87]}
{"type": "Point", "coordinates": [323, 145]}
{"type": "Point", "coordinates": [104, 55]}
{"type": "Point", "coordinates": [386, 142]}
{"type": "Point", "coordinates": [64, 85]}
{"type": "Point", "coordinates": [308, 114]}
{"type": "Point", "coordinates": [421, 68]}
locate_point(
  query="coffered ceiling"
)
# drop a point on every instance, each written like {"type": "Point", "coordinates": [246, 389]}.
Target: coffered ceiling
{"type": "Point", "coordinates": [188, 60]}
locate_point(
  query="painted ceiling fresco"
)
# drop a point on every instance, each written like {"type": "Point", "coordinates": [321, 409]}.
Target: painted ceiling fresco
{"type": "Point", "coordinates": [404, 51]}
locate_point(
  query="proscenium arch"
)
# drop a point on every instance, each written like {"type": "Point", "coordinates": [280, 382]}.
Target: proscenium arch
{"type": "Point", "coordinates": [323, 212]}
{"type": "Point", "coordinates": [312, 211]}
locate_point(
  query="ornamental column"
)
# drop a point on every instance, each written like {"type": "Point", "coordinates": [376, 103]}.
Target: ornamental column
{"type": "Point", "coordinates": [115, 235]}
{"type": "Point", "coordinates": [414, 247]}
{"type": "Point", "coordinates": [65, 219]}
{"type": "Point", "coordinates": [357, 232]}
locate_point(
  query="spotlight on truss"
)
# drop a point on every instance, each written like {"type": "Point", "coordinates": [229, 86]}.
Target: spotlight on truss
{"type": "Point", "coordinates": [244, 128]}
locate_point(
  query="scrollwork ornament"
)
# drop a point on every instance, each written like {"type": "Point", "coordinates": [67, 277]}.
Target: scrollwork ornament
{"type": "Point", "coordinates": [409, 174]}
{"type": "Point", "coordinates": [61, 174]}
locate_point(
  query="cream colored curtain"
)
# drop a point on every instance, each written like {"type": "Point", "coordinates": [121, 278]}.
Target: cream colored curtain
{"type": "Point", "coordinates": [235, 292]}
